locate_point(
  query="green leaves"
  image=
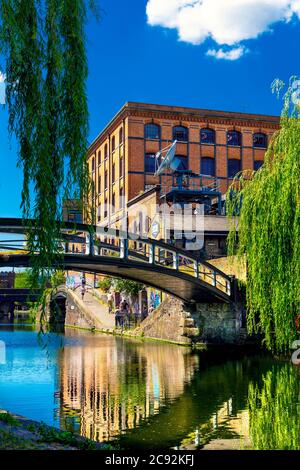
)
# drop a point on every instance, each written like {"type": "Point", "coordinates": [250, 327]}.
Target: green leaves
{"type": "Point", "coordinates": [43, 43]}
{"type": "Point", "coordinates": [269, 226]}
{"type": "Point", "coordinates": [274, 423]}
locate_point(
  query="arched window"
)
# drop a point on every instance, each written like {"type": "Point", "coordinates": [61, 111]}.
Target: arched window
{"type": "Point", "coordinates": [99, 157]}
{"type": "Point", "coordinates": [150, 163]}
{"type": "Point", "coordinates": [234, 138]}
{"type": "Point", "coordinates": [180, 133]}
{"type": "Point", "coordinates": [105, 151]}
{"type": "Point", "coordinates": [180, 163]}
{"type": "Point", "coordinates": [234, 166]}
{"type": "Point", "coordinates": [258, 164]}
{"type": "Point", "coordinates": [208, 166]}
{"type": "Point", "coordinates": [152, 131]}
{"type": "Point", "coordinates": [113, 143]}
{"type": "Point", "coordinates": [207, 136]}
{"type": "Point", "coordinates": [260, 140]}
{"type": "Point", "coordinates": [93, 164]}
{"type": "Point", "coordinates": [121, 135]}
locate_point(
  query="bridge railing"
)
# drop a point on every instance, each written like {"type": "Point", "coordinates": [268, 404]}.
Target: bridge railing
{"type": "Point", "coordinates": [127, 247]}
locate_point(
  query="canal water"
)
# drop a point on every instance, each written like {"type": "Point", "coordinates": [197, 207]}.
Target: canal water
{"type": "Point", "coordinates": [149, 395]}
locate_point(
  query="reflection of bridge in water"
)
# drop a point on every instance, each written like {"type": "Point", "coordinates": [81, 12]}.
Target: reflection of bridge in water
{"type": "Point", "coordinates": [148, 261]}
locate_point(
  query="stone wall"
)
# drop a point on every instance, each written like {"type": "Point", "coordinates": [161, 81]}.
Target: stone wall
{"type": "Point", "coordinates": [202, 323]}
{"type": "Point", "coordinates": [218, 322]}
{"type": "Point", "coordinates": [171, 321]}
{"type": "Point", "coordinates": [77, 314]}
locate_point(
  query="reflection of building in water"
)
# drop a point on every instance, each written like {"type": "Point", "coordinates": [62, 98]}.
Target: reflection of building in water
{"type": "Point", "coordinates": [226, 425]}
{"type": "Point", "coordinates": [109, 385]}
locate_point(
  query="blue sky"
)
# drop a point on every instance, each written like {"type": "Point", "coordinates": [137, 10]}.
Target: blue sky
{"type": "Point", "coordinates": [132, 60]}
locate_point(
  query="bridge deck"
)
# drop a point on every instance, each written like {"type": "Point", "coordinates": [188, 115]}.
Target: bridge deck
{"type": "Point", "coordinates": [147, 261]}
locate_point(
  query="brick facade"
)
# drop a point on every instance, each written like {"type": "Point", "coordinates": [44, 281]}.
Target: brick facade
{"type": "Point", "coordinates": [117, 156]}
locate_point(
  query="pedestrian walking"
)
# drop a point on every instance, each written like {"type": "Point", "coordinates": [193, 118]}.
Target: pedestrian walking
{"type": "Point", "coordinates": [82, 292]}
{"type": "Point", "coordinates": [110, 302]}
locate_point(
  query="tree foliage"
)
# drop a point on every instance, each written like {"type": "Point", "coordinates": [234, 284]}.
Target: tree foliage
{"type": "Point", "coordinates": [58, 278]}
{"type": "Point", "coordinates": [127, 287]}
{"type": "Point", "coordinates": [42, 43]}
{"type": "Point", "coordinates": [269, 230]}
{"type": "Point", "coordinates": [105, 283]}
{"type": "Point", "coordinates": [124, 286]}
{"type": "Point", "coordinates": [23, 280]}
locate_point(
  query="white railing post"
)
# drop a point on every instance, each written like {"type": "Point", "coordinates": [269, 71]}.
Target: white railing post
{"type": "Point", "coordinates": [151, 253]}
{"type": "Point", "coordinates": [196, 270]}
{"type": "Point", "coordinates": [175, 261]}
{"type": "Point", "coordinates": [87, 243]}
{"type": "Point", "coordinates": [123, 248]}
{"type": "Point", "coordinates": [228, 290]}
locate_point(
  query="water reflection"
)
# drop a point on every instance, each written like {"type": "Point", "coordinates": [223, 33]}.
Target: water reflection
{"type": "Point", "coordinates": [150, 395]}
{"type": "Point", "coordinates": [274, 410]}
{"type": "Point", "coordinates": [109, 385]}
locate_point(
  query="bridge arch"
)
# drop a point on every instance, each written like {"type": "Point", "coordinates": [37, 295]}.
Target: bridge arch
{"type": "Point", "coordinates": [153, 263]}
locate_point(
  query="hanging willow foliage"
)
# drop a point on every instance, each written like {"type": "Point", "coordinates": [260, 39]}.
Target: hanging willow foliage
{"type": "Point", "coordinates": [43, 46]}
{"type": "Point", "coordinates": [269, 230]}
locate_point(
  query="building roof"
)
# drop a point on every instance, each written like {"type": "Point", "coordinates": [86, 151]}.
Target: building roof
{"type": "Point", "coordinates": [184, 113]}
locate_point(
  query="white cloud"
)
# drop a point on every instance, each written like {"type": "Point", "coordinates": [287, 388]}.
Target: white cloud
{"type": "Point", "coordinates": [2, 88]}
{"type": "Point", "coordinates": [231, 54]}
{"type": "Point", "coordinates": [227, 22]}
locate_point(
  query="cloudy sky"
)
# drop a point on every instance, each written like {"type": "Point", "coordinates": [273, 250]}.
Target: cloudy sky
{"type": "Point", "coordinates": [216, 54]}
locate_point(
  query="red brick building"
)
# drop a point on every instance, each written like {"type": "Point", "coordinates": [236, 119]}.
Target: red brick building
{"type": "Point", "coordinates": [217, 144]}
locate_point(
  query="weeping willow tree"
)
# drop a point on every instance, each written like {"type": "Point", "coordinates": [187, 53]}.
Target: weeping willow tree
{"type": "Point", "coordinates": [268, 204]}
{"type": "Point", "coordinates": [273, 410]}
{"type": "Point", "coordinates": [42, 47]}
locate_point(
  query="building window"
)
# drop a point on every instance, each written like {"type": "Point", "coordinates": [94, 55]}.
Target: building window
{"type": "Point", "coordinates": [258, 164]}
{"type": "Point", "coordinates": [122, 198]}
{"type": "Point", "coordinates": [105, 152]}
{"type": "Point", "coordinates": [93, 164]}
{"type": "Point", "coordinates": [234, 138]}
{"type": "Point", "coordinates": [105, 208]}
{"type": "Point", "coordinates": [234, 166]}
{"type": "Point", "coordinates": [207, 136]}
{"type": "Point", "coordinates": [180, 133]}
{"type": "Point", "coordinates": [99, 184]}
{"type": "Point", "coordinates": [121, 167]}
{"type": "Point", "coordinates": [99, 213]}
{"type": "Point", "coordinates": [106, 179]}
{"type": "Point", "coordinates": [150, 163]}
{"type": "Point", "coordinates": [180, 163]}
{"type": "Point", "coordinates": [152, 131]}
{"type": "Point", "coordinates": [260, 140]}
{"type": "Point", "coordinates": [208, 166]}
{"type": "Point", "coordinates": [113, 202]}
{"type": "Point", "coordinates": [99, 157]}
{"type": "Point", "coordinates": [121, 136]}
{"type": "Point", "coordinates": [113, 144]}
{"type": "Point", "coordinates": [113, 173]}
